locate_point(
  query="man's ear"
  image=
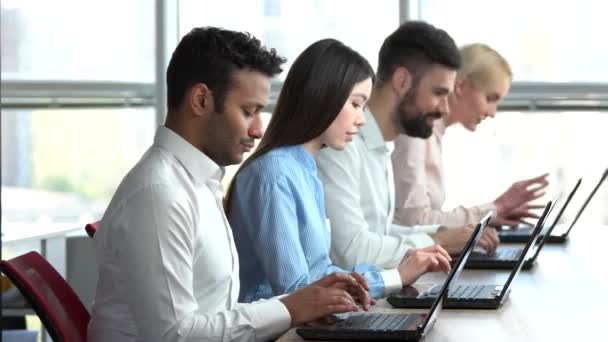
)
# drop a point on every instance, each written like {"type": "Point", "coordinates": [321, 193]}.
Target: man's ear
{"type": "Point", "coordinates": [200, 99]}
{"type": "Point", "coordinates": [459, 86]}
{"type": "Point", "coordinates": [402, 80]}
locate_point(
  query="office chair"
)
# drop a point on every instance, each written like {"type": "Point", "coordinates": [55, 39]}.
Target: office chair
{"type": "Point", "coordinates": [56, 304]}
{"type": "Point", "coordinates": [91, 228]}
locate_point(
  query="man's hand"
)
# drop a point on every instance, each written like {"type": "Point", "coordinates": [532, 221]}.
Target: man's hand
{"type": "Point", "coordinates": [489, 240]}
{"type": "Point", "coordinates": [518, 195]}
{"type": "Point", "coordinates": [454, 239]}
{"type": "Point", "coordinates": [353, 283]}
{"type": "Point", "coordinates": [335, 293]}
{"type": "Point", "coordinates": [417, 262]}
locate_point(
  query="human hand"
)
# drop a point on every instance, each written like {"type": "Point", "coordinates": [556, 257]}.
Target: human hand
{"type": "Point", "coordinates": [489, 240]}
{"type": "Point", "coordinates": [329, 295]}
{"type": "Point", "coordinates": [454, 239]}
{"type": "Point", "coordinates": [519, 194]}
{"type": "Point", "coordinates": [417, 262]}
{"type": "Point", "coordinates": [353, 283]}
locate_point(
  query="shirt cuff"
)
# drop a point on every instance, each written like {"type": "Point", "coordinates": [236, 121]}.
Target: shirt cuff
{"type": "Point", "coordinates": [416, 229]}
{"type": "Point", "coordinates": [392, 281]}
{"type": "Point", "coordinates": [272, 319]}
{"type": "Point", "coordinates": [486, 208]}
{"type": "Point", "coordinates": [422, 240]}
{"type": "Point", "coordinates": [427, 228]}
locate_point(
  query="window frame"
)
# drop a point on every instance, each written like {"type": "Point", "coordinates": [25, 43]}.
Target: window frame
{"type": "Point", "coordinates": [535, 96]}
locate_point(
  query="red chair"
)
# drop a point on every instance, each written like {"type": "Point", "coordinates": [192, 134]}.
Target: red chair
{"type": "Point", "coordinates": [91, 228]}
{"type": "Point", "coordinates": [56, 304]}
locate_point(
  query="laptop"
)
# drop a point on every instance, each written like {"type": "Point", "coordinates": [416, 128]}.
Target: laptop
{"type": "Point", "coordinates": [506, 258]}
{"type": "Point", "coordinates": [463, 296]}
{"type": "Point", "coordinates": [563, 236]}
{"type": "Point", "coordinates": [392, 327]}
{"type": "Point", "coordinates": [523, 233]}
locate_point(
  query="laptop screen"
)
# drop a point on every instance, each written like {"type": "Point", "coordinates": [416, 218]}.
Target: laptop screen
{"type": "Point", "coordinates": [531, 242]}
{"type": "Point", "coordinates": [561, 211]}
{"type": "Point", "coordinates": [587, 200]}
{"type": "Point", "coordinates": [438, 303]}
{"type": "Point", "coordinates": [544, 237]}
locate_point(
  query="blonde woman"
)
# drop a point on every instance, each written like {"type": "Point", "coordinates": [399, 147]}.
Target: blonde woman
{"type": "Point", "coordinates": [483, 80]}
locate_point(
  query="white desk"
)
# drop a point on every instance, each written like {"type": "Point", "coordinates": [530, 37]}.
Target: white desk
{"type": "Point", "coordinates": [563, 298]}
{"type": "Point", "coordinates": [50, 242]}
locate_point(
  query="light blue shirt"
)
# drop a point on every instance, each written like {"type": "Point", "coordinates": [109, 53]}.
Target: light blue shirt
{"type": "Point", "coordinates": [277, 216]}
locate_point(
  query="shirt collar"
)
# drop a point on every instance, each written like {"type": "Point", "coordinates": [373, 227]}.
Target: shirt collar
{"type": "Point", "coordinates": [200, 167]}
{"type": "Point", "coordinates": [371, 134]}
{"type": "Point", "coordinates": [302, 156]}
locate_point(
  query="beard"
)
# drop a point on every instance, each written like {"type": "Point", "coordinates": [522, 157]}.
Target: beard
{"type": "Point", "coordinates": [412, 120]}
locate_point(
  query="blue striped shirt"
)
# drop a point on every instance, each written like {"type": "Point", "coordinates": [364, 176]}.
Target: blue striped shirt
{"type": "Point", "coordinates": [277, 216]}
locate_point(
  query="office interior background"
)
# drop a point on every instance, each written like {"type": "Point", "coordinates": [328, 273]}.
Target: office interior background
{"type": "Point", "coordinates": [83, 90]}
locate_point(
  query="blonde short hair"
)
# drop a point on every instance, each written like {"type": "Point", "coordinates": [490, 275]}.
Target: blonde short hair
{"type": "Point", "coordinates": [481, 64]}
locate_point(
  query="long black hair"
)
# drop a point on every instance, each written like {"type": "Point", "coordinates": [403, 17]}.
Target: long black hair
{"type": "Point", "coordinates": [316, 88]}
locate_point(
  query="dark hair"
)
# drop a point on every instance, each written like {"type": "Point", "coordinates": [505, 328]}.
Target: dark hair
{"type": "Point", "coordinates": [210, 55]}
{"type": "Point", "coordinates": [417, 45]}
{"type": "Point", "coordinates": [313, 94]}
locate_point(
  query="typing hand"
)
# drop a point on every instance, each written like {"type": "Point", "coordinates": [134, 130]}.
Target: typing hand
{"type": "Point", "coordinates": [327, 296]}
{"type": "Point", "coordinates": [417, 262]}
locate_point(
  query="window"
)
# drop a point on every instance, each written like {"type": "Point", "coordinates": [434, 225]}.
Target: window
{"type": "Point", "coordinates": [543, 40]}
{"type": "Point", "coordinates": [78, 40]}
{"type": "Point", "coordinates": [558, 66]}
{"type": "Point", "coordinates": [482, 165]}
{"type": "Point", "coordinates": [290, 26]}
{"type": "Point", "coordinates": [61, 166]}
{"type": "Point", "coordinates": [77, 97]}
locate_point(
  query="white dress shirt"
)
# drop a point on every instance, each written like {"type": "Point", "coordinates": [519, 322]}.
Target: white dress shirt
{"type": "Point", "coordinates": [168, 264]}
{"type": "Point", "coordinates": [360, 203]}
{"type": "Point", "coordinates": [420, 185]}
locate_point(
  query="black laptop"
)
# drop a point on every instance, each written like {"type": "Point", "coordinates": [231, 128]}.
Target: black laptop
{"type": "Point", "coordinates": [391, 327]}
{"type": "Point", "coordinates": [507, 257]}
{"type": "Point", "coordinates": [463, 296]}
{"type": "Point", "coordinates": [523, 233]}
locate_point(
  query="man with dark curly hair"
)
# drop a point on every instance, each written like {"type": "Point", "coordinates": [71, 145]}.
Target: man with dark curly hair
{"type": "Point", "coordinates": [169, 270]}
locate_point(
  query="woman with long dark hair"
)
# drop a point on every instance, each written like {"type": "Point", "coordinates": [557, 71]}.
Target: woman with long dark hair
{"type": "Point", "coordinates": [275, 204]}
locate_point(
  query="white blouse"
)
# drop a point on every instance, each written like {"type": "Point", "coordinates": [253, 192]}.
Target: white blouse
{"type": "Point", "coordinates": [420, 186]}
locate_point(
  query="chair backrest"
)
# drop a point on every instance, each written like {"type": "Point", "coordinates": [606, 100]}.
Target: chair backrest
{"type": "Point", "coordinates": [56, 304]}
{"type": "Point", "coordinates": [91, 228]}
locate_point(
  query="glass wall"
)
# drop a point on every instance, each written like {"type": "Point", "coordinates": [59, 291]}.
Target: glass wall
{"type": "Point", "coordinates": [61, 166]}
{"type": "Point", "coordinates": [480, 166]}
{"type": "Point", "coordinates": [290, 26]}
{"type": "Point", "coordinates": [61, 162]}
{"type": "Point", "coordinates": [110, 40]}
{"type": "Point", "coordinates": [552, 45]}
{"type": "Point", "coordinates": [66, 144]}
{"type": "Point", "coordinates": [544, 40]}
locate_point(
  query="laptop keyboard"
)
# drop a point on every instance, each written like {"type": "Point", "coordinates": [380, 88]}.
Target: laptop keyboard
{"type": "Point", "coordinates": [518, 232]}
{"type": "Point", "coordinates": [375, 321]}
{"type": "Point", "coordinates": [501, 254]}
{"type": "Point", "coordinates": [461, 292]}
{"type": "Point", "coordinates": [508, 253]}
